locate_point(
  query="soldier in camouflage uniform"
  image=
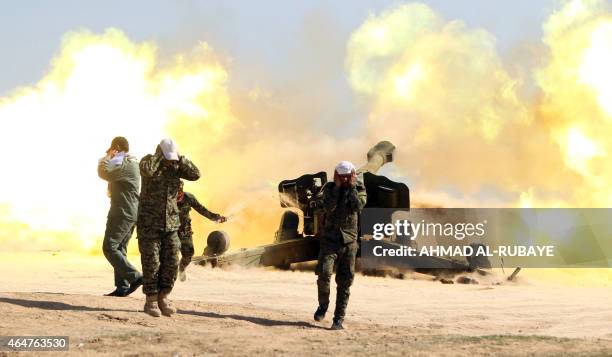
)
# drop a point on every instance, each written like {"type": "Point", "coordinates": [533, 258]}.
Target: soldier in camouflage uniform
{"type": "Point", "coordinates": [342, 201]}
{"type": "Point", "coordinates": [186, 201]}
{"type": "Point", "coordinates": [158, 223]}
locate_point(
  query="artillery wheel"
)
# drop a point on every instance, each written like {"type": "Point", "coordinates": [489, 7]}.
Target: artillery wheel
{"type": "Point", "coordinates": [217, 243]}
{"type": "Point", "coordinates": [288, 228]}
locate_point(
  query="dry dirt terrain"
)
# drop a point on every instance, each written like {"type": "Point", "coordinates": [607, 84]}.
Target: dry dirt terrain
{"type": "Point", "coordinates": [268, 312]}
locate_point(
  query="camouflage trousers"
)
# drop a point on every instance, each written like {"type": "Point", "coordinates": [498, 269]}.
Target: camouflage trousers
{"type": "Point", "coordinates": [159, 257]}
{"type": "Point", "coordinates": [187, 249]}
{"type": "Point", "coordinates": [343, 257]}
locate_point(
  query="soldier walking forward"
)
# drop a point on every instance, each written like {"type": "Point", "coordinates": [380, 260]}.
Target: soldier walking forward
{"type": "Point", "coordinates": [120, 169]}
{"type": "Point", "coordinates": [342, 201]}
{"type": "Point", "coordinates": [158, 223]}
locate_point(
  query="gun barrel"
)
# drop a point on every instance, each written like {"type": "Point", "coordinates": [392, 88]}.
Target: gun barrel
{"type": "Point", "coordinates": [378, 155]}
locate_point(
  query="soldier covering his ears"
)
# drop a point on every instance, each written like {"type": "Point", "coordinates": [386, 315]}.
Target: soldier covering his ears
{"type": "Point", "coordinates": [120, 169]}
{"type": "Point", "coordinates": [158, 223]}
{"type": "Point", "coordinates": [342, 201]}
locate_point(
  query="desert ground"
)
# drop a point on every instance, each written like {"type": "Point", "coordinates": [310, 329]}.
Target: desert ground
{"type": "Point", "coordinates": [268, 312]}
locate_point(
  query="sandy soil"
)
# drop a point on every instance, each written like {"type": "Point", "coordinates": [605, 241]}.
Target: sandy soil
{"type": "Point", "coordinates": [269, 312]}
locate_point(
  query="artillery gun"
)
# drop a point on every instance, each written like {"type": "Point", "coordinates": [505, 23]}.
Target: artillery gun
{"type": "Point", "coordinates": [291, 246]}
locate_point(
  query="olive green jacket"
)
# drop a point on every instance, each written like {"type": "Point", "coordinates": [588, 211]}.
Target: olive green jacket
{"type": "Point", "coordinates": [124, 184]}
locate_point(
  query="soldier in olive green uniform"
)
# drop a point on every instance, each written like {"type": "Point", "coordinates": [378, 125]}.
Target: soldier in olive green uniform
{"type": "Point", "coordinates": [186, 201]}
{"type": "Point", "coordinates": [342, 201]}
{"type": "Point", "coordinates": [158, 223]}
{"type": "Point", "coordinates": [120, 169]}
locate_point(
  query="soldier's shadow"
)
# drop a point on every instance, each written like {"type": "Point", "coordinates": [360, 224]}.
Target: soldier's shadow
{"type": "Point", "coordinates": [256, 320]}
{"type": "Point", "coordinates": [55, 305]}
{"type": "Point", "coordinates": [60, 306]}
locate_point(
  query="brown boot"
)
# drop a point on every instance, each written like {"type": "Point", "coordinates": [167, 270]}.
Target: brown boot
{"type": "Point", "coordinates": [165, 305]}
{"type": "Point", "coordinates": [150, 306]}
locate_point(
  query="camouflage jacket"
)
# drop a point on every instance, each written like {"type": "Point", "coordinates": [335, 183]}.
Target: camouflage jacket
{"type": "Point", "coordinates": [123, 184]}
{"type": "Point", "coordinates": [160, 184]}
{"type": "Point", "coordinates": [189, 201]}
{"type": "Point", "coordinates": [342, 207]}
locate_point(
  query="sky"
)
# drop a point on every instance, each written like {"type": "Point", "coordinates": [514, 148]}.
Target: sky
{"type": "Point", "coordinates": [275, 39]}
{"type": "Point", "coordinates": [484, 99]}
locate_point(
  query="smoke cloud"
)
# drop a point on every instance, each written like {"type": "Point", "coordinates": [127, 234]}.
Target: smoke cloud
{"type": "Point", "coordinates": [466, 133]}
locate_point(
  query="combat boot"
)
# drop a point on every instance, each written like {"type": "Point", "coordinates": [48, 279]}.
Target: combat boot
{"type": "Point", "coordinates": [337, 324]}
{"type": "Point", "coordinates": [165, 305]}
{"type": "Point", "coordinates": [151, 307]}
{"type": "Point", "coordinates": [181, 273]}
{"type": "Point", "coordinates": [319, 315]}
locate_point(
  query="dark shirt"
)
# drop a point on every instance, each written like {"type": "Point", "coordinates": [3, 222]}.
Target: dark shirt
{"type": "Point", "coordinates": [185, 205]}
{"type": "Point", "coordinates": [160, 185]}
{"type": "Point", "coordinates": [342, 207]}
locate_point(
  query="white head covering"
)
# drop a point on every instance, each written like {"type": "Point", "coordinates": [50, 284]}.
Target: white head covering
{"type": "Point", "coordinates": [170, 149]}
{"type": "Point", "coordinates": [345, 168]}
{"type": "Point", "coordinates": [117, 159]}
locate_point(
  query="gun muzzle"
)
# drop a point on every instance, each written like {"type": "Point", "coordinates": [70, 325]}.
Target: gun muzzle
{"type": "Point", "coordinates": [378, 155]}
